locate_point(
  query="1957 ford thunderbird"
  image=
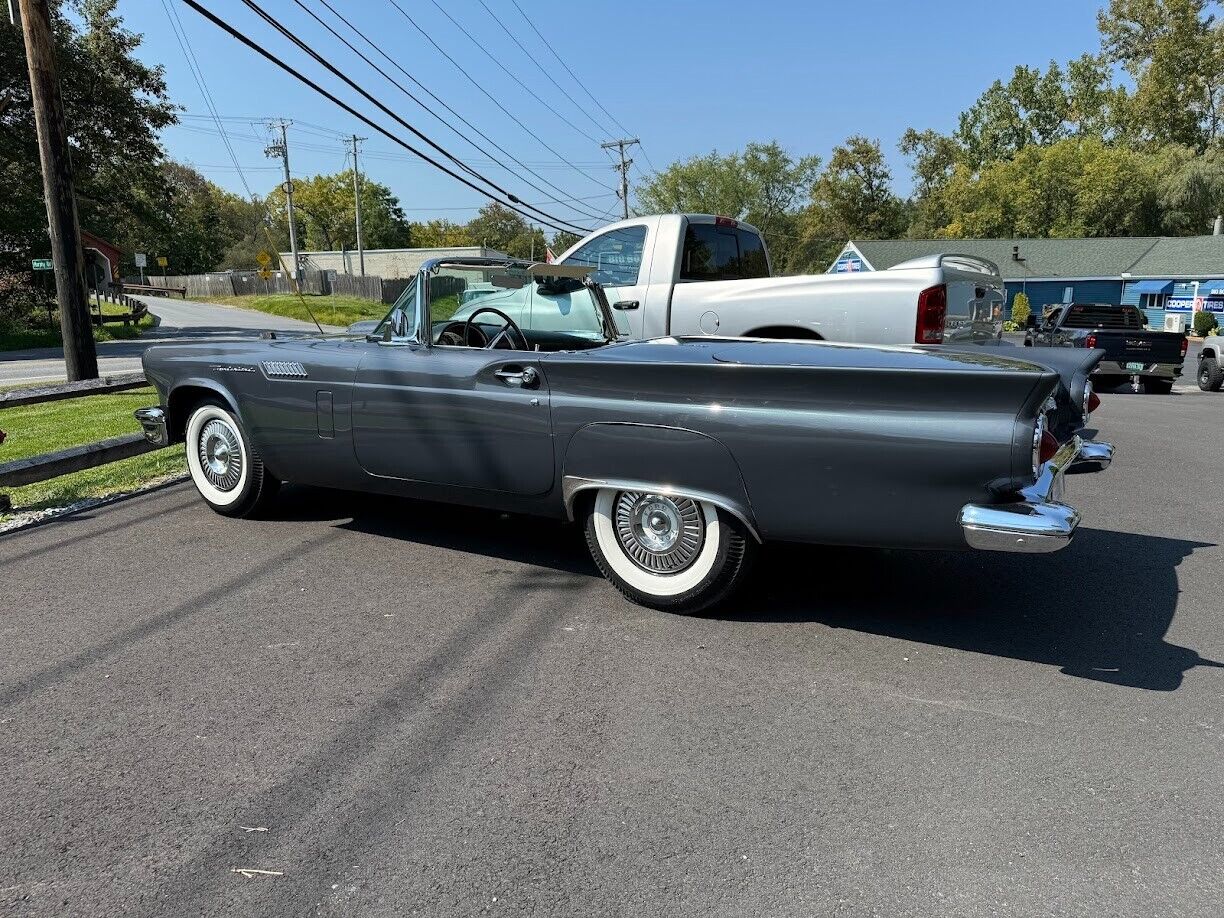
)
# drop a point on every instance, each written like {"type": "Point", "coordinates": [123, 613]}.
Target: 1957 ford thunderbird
{"type": "Point", "coordinates": [680, 456]}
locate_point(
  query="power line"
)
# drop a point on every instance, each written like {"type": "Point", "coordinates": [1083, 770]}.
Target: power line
{"type": "Point", "coordinates": [413, 97]}
{"type": "Point", "coordinates": [551, 50]}
{"type": "Point", "coordinates": [488, 94]}
{"type": "Point", "coordinates": [506, 70]}
{"type": "Point", "coordinates": [234, 33]}
{"type": "Point", "coordinates": [531, 57]}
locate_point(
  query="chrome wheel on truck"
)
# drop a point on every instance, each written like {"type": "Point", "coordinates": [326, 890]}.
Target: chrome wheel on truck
{"type": "Point", "coordinates": [667, 551]}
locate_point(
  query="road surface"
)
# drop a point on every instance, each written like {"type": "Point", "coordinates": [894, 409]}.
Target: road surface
{"type": "Point", "coordinates": [397, 709]}
{"type": "Point", "coordinates": [180, 320]}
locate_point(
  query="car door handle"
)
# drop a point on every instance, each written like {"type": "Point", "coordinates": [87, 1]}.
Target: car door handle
{"type": "Point", "coordinates": [626, 304]}
{"type": "Point", "coordinates": [519, 377]}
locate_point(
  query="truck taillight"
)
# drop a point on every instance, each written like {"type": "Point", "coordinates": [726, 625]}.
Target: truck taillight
{"type": "Point", "coordinates": [726, 221]}
{"type": "Point", "coordinates": [932, 310]}
{"type": "Point", "coordinates": [1090, 342]}
{"type": "Point", "coordinates": [1185, 346]}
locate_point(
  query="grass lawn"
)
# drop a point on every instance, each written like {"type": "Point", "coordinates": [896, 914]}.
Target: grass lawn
{"type": "Point", "coordinates": [330, 310]}
{"type": "Point", "coordinates": [50, 335]}
{"type": "Point", "coordinates": [35, 429]}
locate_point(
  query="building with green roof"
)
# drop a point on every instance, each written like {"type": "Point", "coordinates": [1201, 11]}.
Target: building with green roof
{"type": "Point", "coordinates": [1160, 274]}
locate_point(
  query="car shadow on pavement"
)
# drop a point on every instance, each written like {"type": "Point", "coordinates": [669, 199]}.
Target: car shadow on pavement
{"type": "Point", "coordinates": [1098, 610]}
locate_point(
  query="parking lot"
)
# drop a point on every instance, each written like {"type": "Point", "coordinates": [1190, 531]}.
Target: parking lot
{"type": "Point", "coordinates": [394, 708]}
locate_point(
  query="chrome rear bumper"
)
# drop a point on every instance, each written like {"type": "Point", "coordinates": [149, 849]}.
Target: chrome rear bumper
{"type": "Point", "coordinates": [1038, 522]}
{"type": "Point", "coordinates": [153, 421]}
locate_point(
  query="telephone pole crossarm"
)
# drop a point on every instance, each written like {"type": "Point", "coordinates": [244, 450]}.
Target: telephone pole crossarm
{"type": "Point", "coordinates": [623, 168]}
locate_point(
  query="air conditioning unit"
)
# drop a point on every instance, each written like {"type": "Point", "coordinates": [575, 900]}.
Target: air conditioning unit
{"type": "Point", "coordinates": [1174, 322]}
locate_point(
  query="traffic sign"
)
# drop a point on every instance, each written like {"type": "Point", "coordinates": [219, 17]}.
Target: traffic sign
{"type": "Point", "coordinates": [42, 264]}
{"type": "Point", "coordinates": [264, 259]}
{"type": "Point", "coordinates": [142, 260]}
{"type": "Point", "coordinates": [163, 260]}
{"type": "Point", "coordinates": [265, 274]}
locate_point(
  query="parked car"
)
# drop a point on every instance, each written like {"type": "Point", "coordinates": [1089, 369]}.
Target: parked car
{"type": "Point", "coordinates": [681, 456]}
{"type": "Point", "coordinates": [698, 274]}
{"type": "Point", "coordinates": [1153, 357]}
{"type": "Point", "coordinates": [1211, 364]}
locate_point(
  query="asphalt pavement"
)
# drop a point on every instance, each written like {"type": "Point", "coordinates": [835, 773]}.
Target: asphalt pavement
{"type": "Point", "coordinates": [179, 320]}
{"type": "Point", "coordinates": [395, 708]}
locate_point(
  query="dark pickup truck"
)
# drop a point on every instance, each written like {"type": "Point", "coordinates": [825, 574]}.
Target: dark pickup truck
{"type": "Point", "coordinates": [1154, 358]}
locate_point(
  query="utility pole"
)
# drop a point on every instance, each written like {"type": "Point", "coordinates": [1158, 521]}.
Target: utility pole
{"type": "Point", "coordinates": [622, 168]}
{"type": "Point", "coordinates": [282, 150]}
{"type": "Point", "coordinates": [80, 357]}
{"type": "Point", "coordinates": [357, 204]}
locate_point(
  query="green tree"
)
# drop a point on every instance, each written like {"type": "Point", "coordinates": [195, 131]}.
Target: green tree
{"type": "Point", "coordinates": [324, 210]}
{"type": "Point", "coordinates": [853, 197]}
{"type": "Point", "coordinates": [562, 240]}
{"type": "Point", "coordinates": [1174, 52]}
{"type": "Point", "coordinates": [497, 227]}
{"type": "Point", "coordinates": [763, 185]}
{"type": "Point", "coordinates": [438, 234]}
{"type": "Point", "coordinates": [1021, 309]}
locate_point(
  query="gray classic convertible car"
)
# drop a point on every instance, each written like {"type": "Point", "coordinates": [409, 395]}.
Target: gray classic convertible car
{"type": "Point", "coordinates": [680, 456]}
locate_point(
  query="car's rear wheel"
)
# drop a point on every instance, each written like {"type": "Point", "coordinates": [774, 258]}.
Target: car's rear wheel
{"type": "Point", "coordinates": [1158, 386]}
{"type": "Point", "coordinates": [1210, 375]}
{"type": "Point", "coordinates": [665, 551]}
{"type": "Point", "coordinates": [225, 467]}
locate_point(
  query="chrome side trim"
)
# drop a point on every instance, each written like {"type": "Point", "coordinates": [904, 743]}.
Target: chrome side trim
{"type": "Point", "coordinates": [572, 485]}
{"type": "Point", "coordinates": [1094, 456]}
{"type": "Point", "coordinates": [153, 422]}
{"type": "Point", "coordinates": [1038, 522]}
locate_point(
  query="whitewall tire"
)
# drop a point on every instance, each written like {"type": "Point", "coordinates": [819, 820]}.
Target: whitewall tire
{"type": "Point", "coordinates": [225, 467]}
{"type": "Point", "coordinates": [667, 551]}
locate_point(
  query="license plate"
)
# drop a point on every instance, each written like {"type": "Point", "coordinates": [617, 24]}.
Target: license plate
{"type": "Point", "coordinates": [1137, 367]}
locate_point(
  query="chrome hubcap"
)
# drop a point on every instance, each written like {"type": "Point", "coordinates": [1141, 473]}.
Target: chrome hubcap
{"type": "Point", "coordinates": [660, 534]}
{"type": "Point", "coordinates": [220, 455]}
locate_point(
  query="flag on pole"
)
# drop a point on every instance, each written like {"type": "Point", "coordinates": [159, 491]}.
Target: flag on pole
{"type": "Point", "coordinates": [549, 257]}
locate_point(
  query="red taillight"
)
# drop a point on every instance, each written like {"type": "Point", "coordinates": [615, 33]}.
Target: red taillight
{"type": "Point", "coordinates": [1094, 402]}
{"type": "Point", "coordinates": [725, 221]}
{"type": "Point", "coordinates": [1049, 446]}
{"type": "Point", "coordinates": [1185, 346]}
{"type": "Point", "coordinates": [932, 309]}
{"type": "Point", "coordinates": [1090, 342]}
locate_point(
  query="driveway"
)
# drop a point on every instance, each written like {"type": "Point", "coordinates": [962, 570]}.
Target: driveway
{"type": "Point", "coordinates": [395, 708]}
{"type": "Point", "coordinates": [180, 320]}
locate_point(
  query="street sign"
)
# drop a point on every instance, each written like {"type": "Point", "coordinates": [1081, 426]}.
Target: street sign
{"type": "Point", "coordinates": [163, 260]}
{"type": "Point", "coordinates": [42, 264]}
{"type": "Point", "coordinates": [142, 260]}
{"type": "Point", "coordinates": [264, 259]}
{"type": "Point", "coordinates": [265, 274]}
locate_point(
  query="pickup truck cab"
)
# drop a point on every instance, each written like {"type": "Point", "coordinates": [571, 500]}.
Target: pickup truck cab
{"type": "Point", "coordinates": [698, 274]}
{"type": "Point", "coordinates": [1154, 358]}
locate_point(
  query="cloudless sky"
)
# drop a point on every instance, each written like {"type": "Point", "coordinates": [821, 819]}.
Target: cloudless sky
{"type": "Point", "coordinates": [687, 77]}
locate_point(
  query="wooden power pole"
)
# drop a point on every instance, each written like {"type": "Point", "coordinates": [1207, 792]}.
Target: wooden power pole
{"type": "Point", "coordinates": [80, 357]}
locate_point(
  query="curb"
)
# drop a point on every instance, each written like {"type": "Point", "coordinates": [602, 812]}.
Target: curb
{"type": "Point", "coordinates": [34, 518]}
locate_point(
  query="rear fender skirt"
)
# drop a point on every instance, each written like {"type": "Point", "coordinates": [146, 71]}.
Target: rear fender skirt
{"type": "Point", "coordinates": [645, 457]}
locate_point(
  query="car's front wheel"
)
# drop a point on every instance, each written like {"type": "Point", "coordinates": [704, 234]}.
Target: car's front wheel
{"type": "Point", "coordinates": [225, 467]}
{"type": "Point", "coordinates": [665, 551]}
{"type": "Point", "coordinates": [1210, 375]}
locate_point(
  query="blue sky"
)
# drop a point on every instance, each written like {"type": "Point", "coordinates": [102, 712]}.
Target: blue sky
{"type": "Point", "coordinates": [685, 77]}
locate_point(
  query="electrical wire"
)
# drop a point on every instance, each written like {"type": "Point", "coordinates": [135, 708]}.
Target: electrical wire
{"type": "Point", "coordinates": [488, 94]}
{"type": "Point", "coordinates": [551, 221]}
{"type": "Point", "coordinates": [414, 98]}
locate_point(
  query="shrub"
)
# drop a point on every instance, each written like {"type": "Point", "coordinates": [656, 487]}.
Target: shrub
{"type": "Point", "coordinates": [1021, 310]}
{"type": "Point", "coordinates": [1204, 323]}
{"type": "Point", "coordinates": [1010, 326]}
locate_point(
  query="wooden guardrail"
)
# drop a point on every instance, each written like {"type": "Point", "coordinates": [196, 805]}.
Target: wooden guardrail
{"type": "Point", "coordinates": [33, 469]}
{"type": "Point", "coordinates": [151, 288]}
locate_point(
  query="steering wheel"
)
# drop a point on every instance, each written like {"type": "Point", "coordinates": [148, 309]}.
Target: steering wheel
{"type": "Point", "coordinates": [504, 334]}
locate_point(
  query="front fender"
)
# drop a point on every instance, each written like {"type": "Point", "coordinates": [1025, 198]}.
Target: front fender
{"type": "Point", "coordinates": [671, 460]}
{"type": "Point", "coordinates": [187, 392]}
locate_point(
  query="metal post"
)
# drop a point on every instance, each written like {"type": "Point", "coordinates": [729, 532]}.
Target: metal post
{"type": "Point", "coordinates": [357, 205]}
{"type": "Point", "coordinates": [623, 169]}
{"type": "Point", "coordinates": [80, 356]}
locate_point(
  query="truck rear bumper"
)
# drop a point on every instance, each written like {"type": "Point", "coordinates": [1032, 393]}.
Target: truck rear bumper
{"type": "Point", "coordinates": [1038, 522]}
{"type": "Point", "coordinates": [1117, 368]}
